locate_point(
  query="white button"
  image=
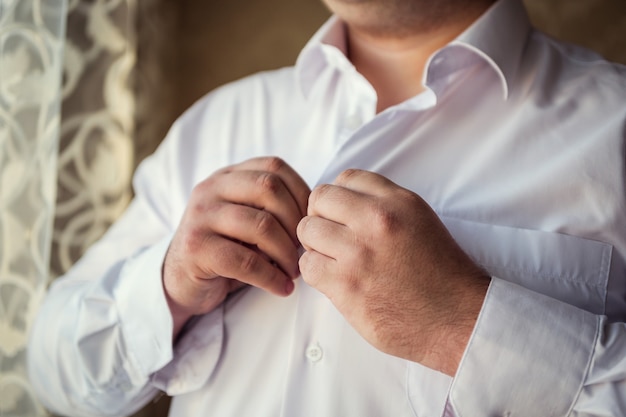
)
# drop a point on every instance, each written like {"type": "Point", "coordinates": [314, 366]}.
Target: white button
{"type": "Point", "coordinates": [314, 353]}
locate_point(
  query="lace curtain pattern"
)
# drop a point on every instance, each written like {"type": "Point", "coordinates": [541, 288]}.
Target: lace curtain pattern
{"type": "Point", "coordinates": [108, 95]}
{"type": "Point", "coordinates": [95, 154]}
{"type": "Point", "coordinates": [31, 39]}
{"type": "Point", "coordinates": [117, 106]}
{"type": "Point", "coordinates": [96, 148]}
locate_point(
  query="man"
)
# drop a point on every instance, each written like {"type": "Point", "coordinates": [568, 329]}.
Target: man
{"type": "Point", "coordinates": [461, 251]}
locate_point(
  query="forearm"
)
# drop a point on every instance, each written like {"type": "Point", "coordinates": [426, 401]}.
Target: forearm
{"type": "Point", "coordinates": [452, 334]}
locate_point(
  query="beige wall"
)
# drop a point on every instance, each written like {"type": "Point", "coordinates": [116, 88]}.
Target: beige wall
{"type": "Point", "coordinates": [222, 41]}
{"type": "Point", "coordinates": [225, 40]}
{"type": "Point", "coordinates": [596, 24]}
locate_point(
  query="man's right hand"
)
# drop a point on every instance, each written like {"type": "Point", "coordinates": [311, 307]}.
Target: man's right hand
{"type": "Point", "coordinates": [239, 228]}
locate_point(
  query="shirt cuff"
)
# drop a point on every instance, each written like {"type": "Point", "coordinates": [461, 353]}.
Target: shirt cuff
{"type": "Point", "coordinates": [144, 314]}
{"type": "Point", "coordinates": [147, 325]}
{"type": "Point", "coordinates": [528, 356]}
{"type": "Point", "coordinates": [197, 354]}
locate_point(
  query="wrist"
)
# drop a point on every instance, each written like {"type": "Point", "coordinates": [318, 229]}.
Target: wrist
{"type": "Point", "coordinates": [188, 296]}
{"type": "Point", "coordinates": [180, 314]}
{"type": "Point", "coordinates": [455, 327]}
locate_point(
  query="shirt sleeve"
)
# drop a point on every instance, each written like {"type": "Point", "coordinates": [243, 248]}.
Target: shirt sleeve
{"type": "Point", "coordinates": [531, 355]}
{"type": "Point", "coordinates": [101, 344]}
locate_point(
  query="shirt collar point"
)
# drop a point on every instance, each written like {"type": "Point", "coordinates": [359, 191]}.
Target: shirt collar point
{"type": "Point", "coordinates": [315, 55]}
{"type": "Point", "coordinates": [499, 37]}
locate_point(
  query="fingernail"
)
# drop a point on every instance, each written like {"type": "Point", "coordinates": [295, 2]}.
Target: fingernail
{"type": "Point", "coordinates": [289, 286]}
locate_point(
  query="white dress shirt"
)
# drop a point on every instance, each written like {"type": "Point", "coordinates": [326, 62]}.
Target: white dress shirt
{"type": "Point", "coordinates": [518, 143]}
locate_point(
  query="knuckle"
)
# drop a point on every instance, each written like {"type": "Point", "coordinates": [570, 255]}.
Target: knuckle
{"type": "Point", "coordinates": [274, 164]}
{"type": "Point", "coordinates": [224, 260]}
{"type": "Point", "coordinates": [197, 195]}
{"type": "Point", "coordinates": [197, 206]}
{"type": "Point", "coordinates": [206, 185]}
{"type": "Point", "coordinates": [384, 219]}
{"type": "Point", "coordinates": [221, 171]}
{"type": "Point", "coordinates": [196, 191]}
{"type": "Point", "coordinates": [410, 197]}
{"type": "Point", "coordinates": [264, 223]}
{"type": "Point", "coordinates": [234, 213]}
{"type": "Point", "coordinates": [201, 194]}
{"type": "Point", "coordinates": [347, 174]}
{"type": "Point", "coordinates": [268, 182]}
{"type": "Point", "coordinates": [193, 240]}
{"type": "Point", "coordinates": [250, 263]}
{"type": "Point", "coordinates": [319, 193]}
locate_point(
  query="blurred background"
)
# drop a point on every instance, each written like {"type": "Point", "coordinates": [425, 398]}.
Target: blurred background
{"type": "Point", "coordinates": [128, 69]}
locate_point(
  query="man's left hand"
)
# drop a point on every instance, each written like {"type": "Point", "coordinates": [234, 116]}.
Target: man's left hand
{"type": "Point", "coordinates": [389, 265]}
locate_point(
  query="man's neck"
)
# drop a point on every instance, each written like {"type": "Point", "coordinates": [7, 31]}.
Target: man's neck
{"type": "Point", "coordinates": [395, 66]}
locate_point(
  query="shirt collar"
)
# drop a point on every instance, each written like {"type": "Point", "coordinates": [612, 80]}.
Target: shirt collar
{"type": "Point", "coordinates": [497, 37]}
{"type": "Point", "coordinates": [327, 47]}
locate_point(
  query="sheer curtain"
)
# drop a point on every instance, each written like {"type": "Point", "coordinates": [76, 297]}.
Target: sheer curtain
{"type": "Point", "coordinates": [76, 110]}
{"type": "Point", "coordinates": [115, 110]}
{"type": "Point", "coordinates": [96, 153]}
{"type": "Point", "coordinates": [31, 42]}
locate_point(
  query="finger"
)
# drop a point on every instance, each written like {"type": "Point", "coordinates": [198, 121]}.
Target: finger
{"type": "Point", "coordinates": [297, 187]}
{"type": "Point", "coordinates": [260, 228]}
{"type": "Point", "coordinates": [339, 204]}
{"type": "Point", "coordinates": [324, 236]}
{"type": "Point", "coordinates": [231, 260]}
{"type": "Point", "coordinates": [317, 269]}
{"type": "Point", "coordinates": [365, 182]}
{"type": "Point", "coordinates": [261, 190]}
{"type": "Point", "coordinates": [264, 191]}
